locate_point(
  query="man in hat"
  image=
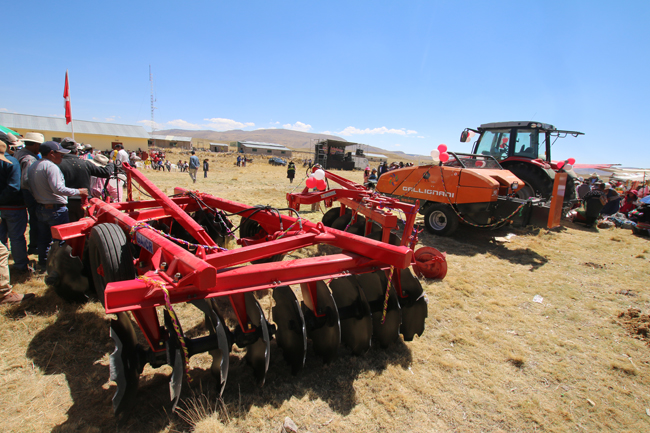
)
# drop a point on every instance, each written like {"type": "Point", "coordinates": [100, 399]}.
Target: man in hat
{"type": "Point", "coordinates": [47, 184]}
{"type": "Point", "coordinates": [13, 214]}
{"type": "Point", "coordinates": [77, 173]}
{"type": "Point", "coordinates": [27, 156]}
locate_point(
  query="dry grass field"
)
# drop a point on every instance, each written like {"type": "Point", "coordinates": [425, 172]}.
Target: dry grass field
{"type": "Point", "coordinates": [491, 358]}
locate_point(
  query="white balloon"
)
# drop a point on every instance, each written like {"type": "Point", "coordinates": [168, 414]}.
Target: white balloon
{"type": "Point", "coordinates": [435, 155]}
{"type": "Point", "coordinates": [319, 174]}
{"type": "Point", "coordinates": [567, 167]}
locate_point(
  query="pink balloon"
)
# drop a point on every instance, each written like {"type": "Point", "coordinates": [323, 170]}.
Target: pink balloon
{"type": "Point", "coordinates": [480, 163]}
{"type": "Point", "coordinates": [571, 161]}
{"type": "Point", "coordinates": [311, 182]}
{"type": "Point", "coordinates": [444, 157]}
{"type": "Point", "coordinates": [505, 140]}
{"type": "Point", "coordinates": [321, 184]}
{"type": "Point", "coordinates": [560, 164]}
{"type": "Point", "coordinates": [442, 148]}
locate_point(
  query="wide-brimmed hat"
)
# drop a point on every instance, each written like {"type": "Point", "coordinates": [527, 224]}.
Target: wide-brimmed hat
{"type": "Point", "coordinates": [3, 149]}
{"type": "Point", "coordinates": [88, 146]}
{"type": "Point", "coordinates": [69, 143]}
{"type": "Point", "coordinates": [52, 146]}
{"type": "Point", "coordinates": [100, 160]}
{"type": "Point", "coordinates": [35, 137]}
{"type": "Point", "coordinates": [9, 138]}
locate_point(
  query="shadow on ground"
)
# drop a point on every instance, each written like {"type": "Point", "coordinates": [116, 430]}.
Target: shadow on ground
{"type": "Point", "coordinates": [471, 241]}
{"type": "Point", "coordinates": [77, 345]}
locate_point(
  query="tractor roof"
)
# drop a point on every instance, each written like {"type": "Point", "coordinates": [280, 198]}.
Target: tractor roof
{"type": "Point", "coordinates": [521, 124]}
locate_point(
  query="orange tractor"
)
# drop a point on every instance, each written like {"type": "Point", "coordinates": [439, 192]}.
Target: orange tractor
{"type": "Point", "coordinates": [469, 188]}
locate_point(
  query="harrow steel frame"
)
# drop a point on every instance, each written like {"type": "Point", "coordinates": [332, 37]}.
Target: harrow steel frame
{"type": "Point", "coordinates": [168, 273]}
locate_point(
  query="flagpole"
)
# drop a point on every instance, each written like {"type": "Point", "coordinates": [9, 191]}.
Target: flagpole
{"type": "Point", "coordinates": [67, 105]}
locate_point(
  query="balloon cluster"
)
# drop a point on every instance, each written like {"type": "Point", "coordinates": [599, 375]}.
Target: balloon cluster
{"type": "Point", "coordinates": [317, 180]}
{"type": "Point", "coordinates": [440, 155]}
{"type": "Point", "coordinates": [566, 165]}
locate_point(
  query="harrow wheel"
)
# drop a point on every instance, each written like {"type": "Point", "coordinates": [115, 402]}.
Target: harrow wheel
{"type": "Point", "coordinates": [354, 314]}
{"type": "Point", "coordinates": [324, 331]}
{"type": "Point", "coordinates": [374, 286]}
{"type": "Point", "coordinates": [257, 353]}
{"type": "Point", "coordinates": [111, 259]}
{"type": "Point", "coordinates": [358, 227]}
{"type": "Point", "coordinates": [252, 229]}
{"type": "Point", "coordinates": [291, 331]}
{"type": "Point", "coordinates": [125, 362]}
{"type": "Point", "coordinates": [216, 327]}
{"type": "Point", "coordinates": [415, 305]}
{"type": "Point", "coordinates": [331, 215]}
{"type": "Point", "coordinates": [65, 273]}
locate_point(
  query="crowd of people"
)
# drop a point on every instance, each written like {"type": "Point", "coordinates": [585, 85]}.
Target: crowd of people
{"type": "Point", "coordinates": [44, 184]}
{"type": "Point", "coordinates": [604, 199]}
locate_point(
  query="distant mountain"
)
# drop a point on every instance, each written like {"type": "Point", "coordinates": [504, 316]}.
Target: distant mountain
{"type": "Point", "coordinates": [296, 140]}
{"type": "Point", "coordinates": [291, 139]}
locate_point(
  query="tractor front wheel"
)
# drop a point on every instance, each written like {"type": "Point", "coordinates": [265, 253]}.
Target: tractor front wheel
{"type": "Point", "coordinates": [111, 259]}
{"type": "Point", "coordinates": [440, 219]}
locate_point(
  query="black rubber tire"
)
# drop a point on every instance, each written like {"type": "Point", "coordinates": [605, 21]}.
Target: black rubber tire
{"type": "Point", "coordinates": [534, 178]}
{"type": "Point", "coordinates": [570, 193]}
{"type": "Point", "coordinates": [65, 274]}
{"type": "Point", "coordinates": [249, 229]}
{"type": "Point", "coordinates": [109, 248]}
{"type": "Point", "coordinates": [440, 219]}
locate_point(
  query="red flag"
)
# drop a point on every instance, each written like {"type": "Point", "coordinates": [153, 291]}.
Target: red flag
{"type": "Point", "coordinates": [66, 104]}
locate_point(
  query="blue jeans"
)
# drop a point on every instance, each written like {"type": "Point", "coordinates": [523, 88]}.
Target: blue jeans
{"type": "Point", "coordinates": [33, 221]}
{"type": "Point", "coordinates": [48, 218]}
{"type": "Point", "coordinates": [13, 226]}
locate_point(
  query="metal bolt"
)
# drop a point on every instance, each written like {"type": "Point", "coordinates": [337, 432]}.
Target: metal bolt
{"type": "Point", "coordinates": [163, 266]}
{"type": "Point", "coordinates": [177, 276]}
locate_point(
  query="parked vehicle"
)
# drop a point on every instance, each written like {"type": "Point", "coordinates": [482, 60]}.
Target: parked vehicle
{"type": "Point", "coordinates": [276, 160]}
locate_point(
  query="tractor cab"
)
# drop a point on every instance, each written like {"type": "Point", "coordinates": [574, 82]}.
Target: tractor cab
{"type": "Point", "coordinates": [523, 148]}
{"type": "Point", "coordinates": [527, 140]}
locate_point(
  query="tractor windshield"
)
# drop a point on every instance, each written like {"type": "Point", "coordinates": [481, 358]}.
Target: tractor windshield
{"type": "Point", "coordinates": [530, 144]}
{"type": "Point", "coordinates": [494, 143]}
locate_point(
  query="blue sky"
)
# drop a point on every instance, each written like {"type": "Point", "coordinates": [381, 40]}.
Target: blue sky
{"type": "Point", "coordinates": [401, 75]}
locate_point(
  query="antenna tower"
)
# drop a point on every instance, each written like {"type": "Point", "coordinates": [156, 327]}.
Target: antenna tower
{"type": "Point", "coordinates": [153, 124]}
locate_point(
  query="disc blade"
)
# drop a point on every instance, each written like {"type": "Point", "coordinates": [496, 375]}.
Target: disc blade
{"type": "Point", "coordinates": [354, 314]}
{"type": "Point", "coordinates": [374, 287]}
{"type": "Point", "coordinates": [325, 331]}
{"type": "Point", "coordinates": [331, 215]}
{"type": "Point", "coordinates": [358, 227]}
{"type": "Point", "coordinates": [415, 305]}
{"type": "Point", "coordinates": [124, 368]}
{"type": "Point", "coordinates": [215, 324]}
{"type": "Point", "coordinates": [176, 381]}
{"type": "Point", "coordinates": [257, 354]}
{"type": "Point", "coordinates": [291, 333]}
{"type": "Point", "coordinates": [341, 222]}
{"type": "Point", "coordinates": [393, 239]}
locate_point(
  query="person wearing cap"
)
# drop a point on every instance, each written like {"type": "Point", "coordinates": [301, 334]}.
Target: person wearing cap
{"type": "Point", "coordinates": [119, 155]}
{"type": "Point", "coordinates": [194, 166]}
{"type": "Point", "coordinates": [27, 156]}
{"type": "Point", "coordinates": [47, 184]}
{"type": "Point", "coordinates": [13, 213]}
{"type": "Point", "coordinates": [77, 173]}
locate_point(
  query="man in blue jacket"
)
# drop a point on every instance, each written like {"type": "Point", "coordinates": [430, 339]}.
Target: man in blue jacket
{"type": "Point", "coordinates": [12, 208]}
{"type": "Point", "coordinates": [194, 166]}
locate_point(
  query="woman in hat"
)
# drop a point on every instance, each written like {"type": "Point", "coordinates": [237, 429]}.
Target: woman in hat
{"type": "Point", "coordinates": [629, 202]}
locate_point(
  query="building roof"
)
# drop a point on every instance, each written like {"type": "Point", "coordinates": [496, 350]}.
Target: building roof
{"type": "Point", "coordinates": [40, 123]}
{"type": "Point", "coordinates": [264, 145]}
{"type": "Point", "coordinates": [171, 138]}
{"type": "Point", "coordinates": [375, 155]}
{"type": "Point", "coordinates": [219, 144]}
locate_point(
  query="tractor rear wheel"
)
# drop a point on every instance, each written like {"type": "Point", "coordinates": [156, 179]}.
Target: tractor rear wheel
{"type": "Point", "coordinates": [440, 219]}
{"type": "Point", "coordinates": [537, 182]}
{"type": "Point", "coordinates": [111, 259]}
